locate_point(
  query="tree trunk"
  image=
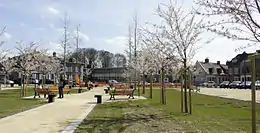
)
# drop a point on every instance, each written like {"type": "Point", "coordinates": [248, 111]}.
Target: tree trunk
{"type": "Point", "coordinates": [190, 103]}
{"type": "Point", "coordinates": [163, 87]}
{"type": "Point", "coordinates": [151, 85]}
{"type": "Point", "coordinates": [5, 80]}
{"type": "Point", "coordinates": [43, 80]}
{"type": "Point", "coordinates": [181, 76]}
{"type": "Point", "coordinates": [138, 87]}
{"type": "Point", "coordinates": [144, 83]}
{"type": "Point", "coordinates": [185, 88]}
{"type": "Point", "coordinates": [54, 80]}
{"type": "Point", "coordinates": [26, 84]}
{"type": "Point", "coordinates": [21, 91]}
{"type": "Point", "coordinates": [163, 97]}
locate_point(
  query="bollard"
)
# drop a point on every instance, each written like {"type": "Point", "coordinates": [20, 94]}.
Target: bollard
{"type": "Point", "coordinates": [99, 99]}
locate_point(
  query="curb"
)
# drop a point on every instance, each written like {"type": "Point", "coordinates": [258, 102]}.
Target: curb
{"type": "Point", "coordinates": [73, 126]}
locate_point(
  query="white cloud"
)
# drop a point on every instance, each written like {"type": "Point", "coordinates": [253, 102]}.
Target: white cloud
{"type": "Point", "coordinates": [116, 44]}
{"type": "Point", "coordinates": [53, 10]}
{"type": "Point", "coordinates": [7, 36]}
{"type": "Point", "coordinates": [60, 30]}
{"type": "Point", "coordinates": [55, 47]}
{"type": "Point", "coordinates": [39, 29]}
{"type": "Point", "coordinates": [82, 36]}
{"type": "Point", "coordinates": [51, 25]}
{"type": "Point", "coordinates": [22, 24]}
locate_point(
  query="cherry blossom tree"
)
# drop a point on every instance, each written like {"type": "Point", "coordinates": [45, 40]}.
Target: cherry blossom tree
{"type": "Point", "coordinates": [183, 31]}
{"type": "Point", "coordinates": [141, 67]}
{"type": "Point", "coordinates": [157, 45]}
{"type": "Point", "coordinates": [234, 19]}
{"type": "Point", "coordinates": [8, 67]}
{"type": "Point", "coordinates": [26, 62]}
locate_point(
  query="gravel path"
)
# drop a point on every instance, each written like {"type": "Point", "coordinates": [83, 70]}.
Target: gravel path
{"type": "Point", "coordinates": [241, 94]}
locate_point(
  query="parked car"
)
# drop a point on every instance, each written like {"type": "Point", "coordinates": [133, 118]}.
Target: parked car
{"type": "Point", "coordinates": [34, 81]}
{"type": "Point", "coordinates": [111, 82]}
{"type": "Point", "coordinates": [235, 84]}
{"type": "Point", "coordinates": [211, 84]}
{"type": "Point", "coordinates": [204, 84]}
{"type": "Point", "coordinates": [245, 85]}
{"type": "Point", "coordinates": [47, 81]}
{"type": "Point", "coordinates": [257, 84]}
{"type": "Point", "coordinates": [9, 82]}
{"type": "Point", "coordinates": [224, 84]}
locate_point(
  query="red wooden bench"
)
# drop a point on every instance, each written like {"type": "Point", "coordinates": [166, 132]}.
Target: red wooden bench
{"type": "Point", "coordinates": [46, 91]}
{"type": "Point", "coordinates": [122, 90]}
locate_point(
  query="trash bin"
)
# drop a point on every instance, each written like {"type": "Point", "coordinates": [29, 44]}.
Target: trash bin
{"type": "Point", "coordinates": [51, 97]}
{"type": "Point", "coordinates": [99, 99]}
{"type": "Point", "coordinates": [80, 90]}
{"type": "Point", "coordinates": [89, 88]}
{"type": "Point", "coordinates": [106, 91]}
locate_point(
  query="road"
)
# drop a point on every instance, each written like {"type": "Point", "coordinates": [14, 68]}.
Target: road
{"type": "Point", "coordinates": [241, 94]}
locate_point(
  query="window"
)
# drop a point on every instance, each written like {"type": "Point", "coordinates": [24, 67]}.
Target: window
{"type": "Point", "coordinates": [230, 70]}
{"type": "Point", "coordinates": [219, 70]}
{"type": "Point", "coordinates": [210, 70]}
{"type": "Point", "coordinates": [236, 70]}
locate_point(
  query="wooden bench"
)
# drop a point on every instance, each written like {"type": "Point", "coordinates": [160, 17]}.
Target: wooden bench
{"type": "Point", "coordinates": [122, 90]}
{"type": "Point", "coordinates": [38, 91]}
{"type": "Point", "coordinates": [55, 89]}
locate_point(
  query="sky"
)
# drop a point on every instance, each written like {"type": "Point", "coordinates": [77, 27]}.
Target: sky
{"type": "Point", "coordinates": [103, 25]}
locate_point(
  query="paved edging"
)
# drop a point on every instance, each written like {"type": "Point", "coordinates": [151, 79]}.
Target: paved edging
{"type": "Point", "coordinates": [73, 126]}
{"type": "Point", "coordinates": [26, 111]}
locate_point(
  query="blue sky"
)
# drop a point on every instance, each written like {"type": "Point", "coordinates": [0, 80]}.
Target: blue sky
{"type": "Point", "coordinates": [103, 24]}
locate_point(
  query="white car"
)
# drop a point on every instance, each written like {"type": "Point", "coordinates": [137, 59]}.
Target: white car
{"type": "Point", "coordinates": [211, 84]}
{"type": "Point", "coordinates": [257, 84]}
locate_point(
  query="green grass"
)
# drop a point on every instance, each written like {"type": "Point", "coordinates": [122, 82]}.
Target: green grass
{"type": "Point", "coordinates": [75, 90]}
{"type": "Point", "coordinates": [210, 114]}
{"type": "Point", "coordinates": [11, 103]}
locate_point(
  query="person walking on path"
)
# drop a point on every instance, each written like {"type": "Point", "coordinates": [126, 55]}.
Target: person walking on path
{"type": "Point", "coordinates": [61, 86]}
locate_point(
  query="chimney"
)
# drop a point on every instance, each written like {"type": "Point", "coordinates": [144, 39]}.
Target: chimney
{"type": "Point", "coordinates": [54, 54]}
{"type": "Point", "coordinates": [207, 60]}
{"type": "Point", "coordinates": [218, 62]}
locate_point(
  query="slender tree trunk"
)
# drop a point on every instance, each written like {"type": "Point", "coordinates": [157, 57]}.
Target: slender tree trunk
{"type": "Point", "coordinates": [138, 87]}
{"type": "Point", "coordinates": [151, 85]}
{"type": "Point", "coordinates": [144, 83]}
{"type": "Point", "coordinates": [181, 76]}
{"type": "Point", "coordinates": [21, 91]}
{"type": "Point", "coordinates": [5, 80]}
{"type": "Point", "coordinates": [26, 83]}
{"type": "Point", "coordinates": [185, 88]}
{"type": "Point", "coordinates": [163, 88]}
{"type": "Point", "coordinates": [190, 103]}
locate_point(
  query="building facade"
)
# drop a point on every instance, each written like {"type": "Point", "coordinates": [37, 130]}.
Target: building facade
{"type": "Point", "coordinates": [239, 67]}
{"type": "Point", "coordinates": [105, 74]}
{"type": "Point", "coordinates": [209, 71]}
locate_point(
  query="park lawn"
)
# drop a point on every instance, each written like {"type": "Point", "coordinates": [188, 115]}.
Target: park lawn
{"type": "Point", "coordinates": [75, 90]}
{"type": "Point", "coordinates": [11, 103]}
{"type": "Point", "coordinates": [210, 114]}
